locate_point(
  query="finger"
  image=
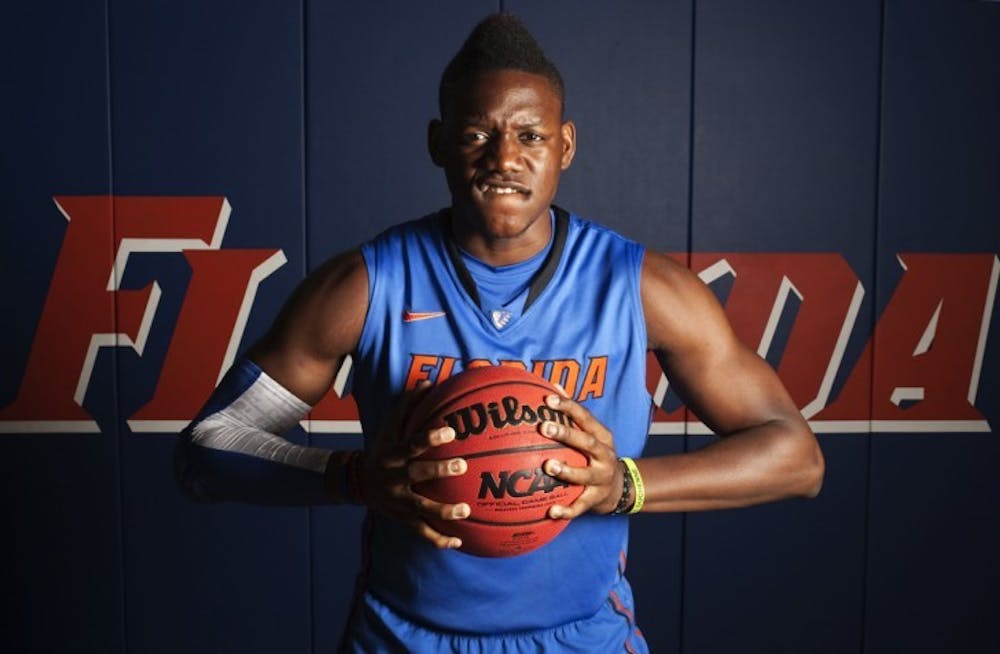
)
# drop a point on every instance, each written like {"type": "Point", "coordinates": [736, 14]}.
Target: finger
{"type": "Point", "coordinates": [589, 477]}
{"type": "Point", "coordinates": [401, 502]}
{"type": "Point", "coordinates": [436, 538]}
{"type": "Point", "coordinates": [580, 440]}
{"type": "Point", "coordinates": [597, 478]}
{"type": "Point", "coordinates": [418, 444]}
{"type": "Point", "coordinates": [584, 419]}
{"type": "Point", "coordinates": [400, 453]}
{"type": "Point", "coordinates": [579, 476]}
{"type": "Point", "coordinates": [428, 508]}
{"type": "Point", "coordinates": [579, 506]}
{"type": "Point", "coordinates": [426, 470]}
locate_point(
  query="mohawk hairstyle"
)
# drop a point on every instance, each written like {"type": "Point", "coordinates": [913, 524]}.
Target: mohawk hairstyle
{"type": "Point", "coordinates": [498, 42]}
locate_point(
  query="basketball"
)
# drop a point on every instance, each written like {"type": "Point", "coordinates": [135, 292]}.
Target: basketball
{"type": "Point", "coordinates": [495, 412]}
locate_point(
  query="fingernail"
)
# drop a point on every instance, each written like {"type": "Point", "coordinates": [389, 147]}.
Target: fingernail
{"type": "Point", "coordinates": [549, 429]}
{"type": "Point", "coordinates": [553, 400]}
{"type": "Point", "coordinates": [457, 466]}
{"type": "Point", "coordinates": [553, 467]}
{"type": "Point", "coordinates": [460, 511]}
{"type": "Point", "coordinates": [454, 544]}
{"type": "Point", "coordinates": [556, 512]}
{"type": "Point", "coordinates": [446, 435]}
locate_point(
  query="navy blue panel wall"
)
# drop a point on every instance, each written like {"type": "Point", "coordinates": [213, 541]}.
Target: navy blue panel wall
{"type": "Point", "coordinates": [934, 530]}
{"type": "Point", "coordinates": [207, 101]}
{"type": "Point", "coordinates": [62, 543]}
{"type": "Point", "coordinates": [785, 153]}
{"type": "Point", "coordinates": [170, 171]}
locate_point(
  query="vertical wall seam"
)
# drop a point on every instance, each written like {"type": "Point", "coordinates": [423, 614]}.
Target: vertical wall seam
{"type": "Point", "coordinates": [689, 248]}
{"type": "Point", "coordinates": [691, 135]}
{"type": "Point", "coordinates": [304, 198]}
{"type": "Point", "coordinates": [117, 422]}
{"type": "Point", "coordinates": [303, 133]}
{"type": "Point", "coordinates": [876, 211]}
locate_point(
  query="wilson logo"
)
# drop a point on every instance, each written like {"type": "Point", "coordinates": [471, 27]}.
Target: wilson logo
{"type": "Point", "coordinates": [518, 483]}
{"type": "Point", "coordinates": [473, 419]}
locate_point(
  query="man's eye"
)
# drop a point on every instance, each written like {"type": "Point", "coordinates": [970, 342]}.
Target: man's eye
{"type": "Point", "coordinates": [531, 136]}
{"type": "Point", "coordinates": [476, 137]}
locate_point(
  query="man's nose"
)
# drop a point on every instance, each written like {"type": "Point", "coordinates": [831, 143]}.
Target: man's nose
{"type": "Point", "coordinates": [506, 153]}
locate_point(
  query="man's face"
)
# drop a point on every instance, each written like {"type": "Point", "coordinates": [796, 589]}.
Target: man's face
{"type": "Point", "coordinates": [503, 145]}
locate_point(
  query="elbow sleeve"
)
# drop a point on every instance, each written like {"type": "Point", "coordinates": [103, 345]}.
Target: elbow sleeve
{"type": "Point", "coordinates": [234, 450]}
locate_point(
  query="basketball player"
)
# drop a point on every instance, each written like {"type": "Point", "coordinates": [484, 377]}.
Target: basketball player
{"type": "Point", "coordinates": [501, 276]}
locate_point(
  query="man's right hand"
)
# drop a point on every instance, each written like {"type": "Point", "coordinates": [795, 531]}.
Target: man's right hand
{"type": "Point", "coordinates": [389, 472]}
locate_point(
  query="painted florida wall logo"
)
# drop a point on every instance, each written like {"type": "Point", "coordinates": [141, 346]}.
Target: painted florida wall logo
{"type": "Point", "coordinates": [918, 372]}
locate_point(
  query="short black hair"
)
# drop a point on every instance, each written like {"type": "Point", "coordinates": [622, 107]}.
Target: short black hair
{"type": "Point", "coordinates": [499, 42]}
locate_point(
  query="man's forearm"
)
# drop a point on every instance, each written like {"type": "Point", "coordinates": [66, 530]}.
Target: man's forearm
{"type": "Point", "coordinates": [234, 450]}
{"type": "Point", "coordinates": [772, 461]}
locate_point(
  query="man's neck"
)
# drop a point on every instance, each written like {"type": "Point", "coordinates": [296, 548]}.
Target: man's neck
{"type": "Point", "coordinates": [501, 251]}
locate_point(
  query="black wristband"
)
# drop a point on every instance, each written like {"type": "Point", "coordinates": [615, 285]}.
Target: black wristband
{"type": "Point", "coordinates": [623, 504]}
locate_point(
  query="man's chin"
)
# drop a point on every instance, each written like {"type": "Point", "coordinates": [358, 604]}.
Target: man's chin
{"type": "Point", "coordinates": [508, 224]}
{"type": "Point", "coordinates": [504, 215]}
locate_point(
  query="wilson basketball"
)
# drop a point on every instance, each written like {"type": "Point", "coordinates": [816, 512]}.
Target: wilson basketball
{"type": "Point", "coordinates": [495, 412]}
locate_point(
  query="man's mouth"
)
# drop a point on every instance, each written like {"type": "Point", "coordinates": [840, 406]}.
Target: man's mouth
{"type": "Point", "coordinates": [501, 188]}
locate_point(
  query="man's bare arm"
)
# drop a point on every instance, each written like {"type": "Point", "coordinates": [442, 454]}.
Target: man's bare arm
{"type": "Point", "coordinates": [767, 450]}
{"type": "Point", "coordinates": [235, 449]}
{"type": "Point", "coordinates": [239, 452]}
{"type": "Point", "coordinates": [318, 327]}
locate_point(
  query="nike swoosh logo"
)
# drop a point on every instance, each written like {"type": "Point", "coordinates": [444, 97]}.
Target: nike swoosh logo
{"type": "Point", "coordinates": [414, 316]}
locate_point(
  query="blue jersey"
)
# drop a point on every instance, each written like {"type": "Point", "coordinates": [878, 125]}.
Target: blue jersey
{"type": "Point", "coordinates": [581, 326]}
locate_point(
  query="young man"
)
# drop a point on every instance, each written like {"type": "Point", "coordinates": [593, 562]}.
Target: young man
{"type": "Point", "coordinates": [501, 276]}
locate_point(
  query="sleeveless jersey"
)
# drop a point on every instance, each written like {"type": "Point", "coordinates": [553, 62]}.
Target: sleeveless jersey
{"type": "Point", "coordinates": [583, 327]}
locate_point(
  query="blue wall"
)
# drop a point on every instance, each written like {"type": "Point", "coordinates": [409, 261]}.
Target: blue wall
{"type": "Point", "coordinates": [863, 130]}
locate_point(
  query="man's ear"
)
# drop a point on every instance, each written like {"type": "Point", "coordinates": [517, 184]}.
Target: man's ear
{"type": "Point", "coordinates": [569, 144]}
{"type": "Point", "coordinates": [435, 132]}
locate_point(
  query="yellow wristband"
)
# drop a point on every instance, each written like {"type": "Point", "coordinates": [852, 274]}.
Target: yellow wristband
{"type": "Point", "coordinates": [638, 488]}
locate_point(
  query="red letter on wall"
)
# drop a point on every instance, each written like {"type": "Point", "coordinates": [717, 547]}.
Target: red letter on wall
{"type": "Point", "coordinates": [208, 333]}
{"type": "Point", "coordinates": [85, 309]}
{"type": "Point", "coordinates": [927, 348]}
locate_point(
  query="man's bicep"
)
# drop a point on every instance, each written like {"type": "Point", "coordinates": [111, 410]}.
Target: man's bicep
{"type": "Point", "coordinates": [318, 327]}
{"type": "Point", "coordinates": [729, 392]}
{"type": "Point", "coordinates": [722, 381]}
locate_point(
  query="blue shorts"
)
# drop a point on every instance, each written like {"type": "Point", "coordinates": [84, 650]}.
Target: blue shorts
{"type": "Point", "coordinates": [374, 627]}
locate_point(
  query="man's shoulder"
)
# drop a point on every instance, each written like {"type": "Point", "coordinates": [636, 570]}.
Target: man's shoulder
{"type": "Point", "coordinates": [397, 247]}
{"type": "Point", "coordinates": [596, 228]}
{"type": "Point", "coordinates": [413, 228]}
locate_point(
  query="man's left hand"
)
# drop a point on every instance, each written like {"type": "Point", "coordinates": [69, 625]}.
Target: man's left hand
{"type": "Point", "coordinates": [602, 478]}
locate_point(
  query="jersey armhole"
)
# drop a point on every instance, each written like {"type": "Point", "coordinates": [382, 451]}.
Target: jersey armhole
{"type": "Point", "coordinates": [639, 255]}
{"type": "Point", "coordinates": [369, 255]}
